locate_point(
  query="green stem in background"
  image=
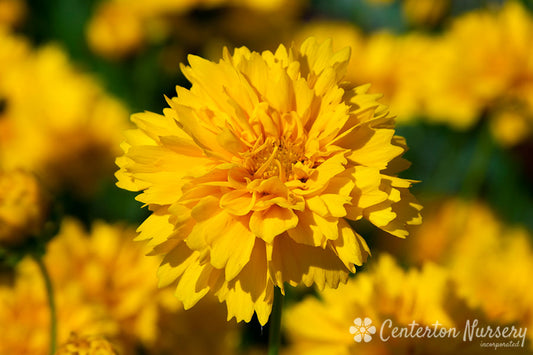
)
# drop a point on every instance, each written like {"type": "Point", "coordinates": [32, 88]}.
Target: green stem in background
{"type": "Point", "coordinates": [274, 339]}
{"type": "Point", "coordinates": [479, 165]}
{"type": "Point", "coordinates": [51, 302]}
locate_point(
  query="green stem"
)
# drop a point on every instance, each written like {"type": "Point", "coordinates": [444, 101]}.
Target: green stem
{"type": "Point", "coordinates": [275, 323]}
{"type": "Point", "coordinates": [51, 303]}
{"type": "Point", "coordinates": [479, 165]}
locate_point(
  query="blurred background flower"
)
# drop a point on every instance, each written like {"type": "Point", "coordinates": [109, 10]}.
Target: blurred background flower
{"type": "Point", "coordinates": [89, 345]}
{"type": "Point", "coordinates": [105, 287]}
{"type": "Point", "coordinates": [466, 264]}
{"type": "Point", "coordinates": [23, 206]}
{"type": "Point", "coordinates": [457, 74]}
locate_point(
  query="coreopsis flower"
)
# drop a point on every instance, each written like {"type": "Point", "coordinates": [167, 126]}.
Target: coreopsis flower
{"type": "Point", "coordinates": [25, 313]}
{"type": "Point", "coordinates": [393, 65]}
{"type": "Point", "coordinates": [473, 244]}
{"type": "Point", "coordinates": [509, 27]}
{"type": "Point", "coordinates": [115, 31]}
{"type": "Point", "coordinates": [120, 28]}
{"type": "Point", "coordinates": [111, 271]}
{"type": "Point", "coordinates": [388, 296]}
{"type": "Point", "coordinates": [70, 133]}
{"type": "Point", "coordinates": [23, 206]}
{"type": "Point", "coordinates": [510, 125]}
{"type": "Point", "coordinates": [103, 288]}
{"type": "Point", "coordinates": [492, 48]}
{"type": "Point", "coordinates": [90, 345]}
{"type": "Point", "coordinates": [385, 292]}
{"type": "Point", "coordinates": [252, 174]}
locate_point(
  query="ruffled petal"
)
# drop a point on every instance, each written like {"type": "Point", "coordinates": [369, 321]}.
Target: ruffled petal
{"type": "Point", "coordinates": [296, 263]}
{"type": "Point", "coordinates": [272, 222]}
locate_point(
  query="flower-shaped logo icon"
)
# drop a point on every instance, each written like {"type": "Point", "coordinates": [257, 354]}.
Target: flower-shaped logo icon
{"type": "Point", "coordinates": [362, 330]}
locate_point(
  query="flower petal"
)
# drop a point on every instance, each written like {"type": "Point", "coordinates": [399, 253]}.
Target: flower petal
{"type": "Point", "coordinates": [210, 221]}
{"type": "Point", "coordinates": [294, 263]}
{"type": "Point", "coordinates": [232, 248]}
{"type": "Point", "coordinates": [272, 222]}
{"type": "Point", "coordinates": [238, 202]}
{"type": "Point", "coordinates": [313, 229]}
{"type": "Point", "coordinates": [370, 146]}
{"type": "Point", "coordinates": [350, 247]}
{"type": "Point", "coordinates": [175, 263]}
{"type": "Point", "coordinates": [251, 290]}
{"type": "Point", "coordinates": [195, 282]}
{"type": "Point", "coordinates": [323, 174]}
{"type": "Point", "coordinates": [397, 214]}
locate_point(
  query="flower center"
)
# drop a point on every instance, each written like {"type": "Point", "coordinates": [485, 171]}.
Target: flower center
{"type": "Point", "coordinates": [272, 158]}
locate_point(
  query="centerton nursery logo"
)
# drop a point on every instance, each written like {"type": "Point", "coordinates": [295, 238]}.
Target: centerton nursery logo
{"type": "Point", "coordinates": [362, 330]}
{"type": "Point", "coordinates": [489, 336]}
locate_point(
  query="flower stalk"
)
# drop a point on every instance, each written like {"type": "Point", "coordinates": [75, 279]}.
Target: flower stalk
{"type": "Point", "coordinates": [480, 161]}
{"type": "Point", "coordinates": [51, 303]}
{"type": "Point", "coordinates": [274, 339]}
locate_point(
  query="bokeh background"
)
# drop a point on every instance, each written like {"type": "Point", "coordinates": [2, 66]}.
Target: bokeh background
{"type": "Point", "coordinates": [458, 74]}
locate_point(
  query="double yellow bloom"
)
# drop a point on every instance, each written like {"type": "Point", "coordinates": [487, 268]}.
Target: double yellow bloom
{"type": "Point", "coordinates": [253, 172]}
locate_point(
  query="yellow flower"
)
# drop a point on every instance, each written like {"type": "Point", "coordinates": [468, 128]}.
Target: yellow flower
{"type": "Point", "coordinates": [476, 246]}
{"type": "Point", "coordinates": [22, 206]}
{"type": "Point", "coordinates": [504, 293]}
{"type": "Point", "coordinates": [102, 290]}
{"type": "Point", "coordinates": [252, 174]}
{"type": "Point", "coordinates": [502, 58]}
{"type": "Point", "coordinates": [489, 262]}
{"type": "Point", "coordinates": [69, 133]}
{"type": "Point", "coordinates": [25, 315]}
{"type": "Point", "coordinates": [385, 291]}
{"type": "Point", "coordinates": [120, 28]}
{"type": "Point", "coordinates": [471, 267]}
{"type": "Point", "coordinates": [510, 125]}
{"type": "Point", "coordinates": [115, 31]}
{"type": "Point", "coordinates": [91, 345]}
{"type": "Point", "coordinates": [111, 271]}
{"type": "Point", "coordinates": [395, 65]}
{"type": "Point", "coordinates": [483, 61]}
